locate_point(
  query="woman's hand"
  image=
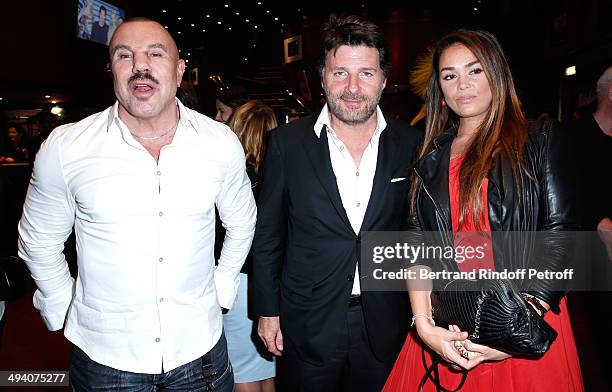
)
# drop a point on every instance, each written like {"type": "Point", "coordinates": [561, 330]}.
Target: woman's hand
{"type": "Point", "coordinates": [443, 342]}
{"type": "Point", "coordinates": [473, 351]}
{"type": "Point", "coordinates": [487, 353]}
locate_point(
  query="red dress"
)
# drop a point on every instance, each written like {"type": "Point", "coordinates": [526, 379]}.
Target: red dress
{"type": "Point", "coordinates": [558, 370]}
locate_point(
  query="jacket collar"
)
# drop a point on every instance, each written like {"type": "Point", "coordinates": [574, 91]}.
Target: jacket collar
{"type": "Point", "coordinates": [446, 137]}
{"type": "Point", "coordinates": [317, 150]}
{"type": "Point", "coordinates": [433, 171]}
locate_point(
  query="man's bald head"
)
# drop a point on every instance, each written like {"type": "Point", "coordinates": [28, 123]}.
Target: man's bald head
{"type": "Point", "coordinates": [143, 25]}
{"type": "Point", "coordinates": [604, 84]}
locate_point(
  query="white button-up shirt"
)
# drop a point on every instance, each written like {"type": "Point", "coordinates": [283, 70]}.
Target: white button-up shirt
{"type": "Point", "coordinates": [354, 182]}
{"type": "Point", "coordinates": [148, 293]}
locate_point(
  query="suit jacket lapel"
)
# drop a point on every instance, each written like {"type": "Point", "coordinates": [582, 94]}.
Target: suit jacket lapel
{"type": "Point", "coordinates": [388, 147]}
{"type": "Point", "coordinates": [317, 150]}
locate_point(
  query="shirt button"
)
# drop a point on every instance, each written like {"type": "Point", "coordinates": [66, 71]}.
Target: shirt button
{"type": "Point", "coordinates": [160, 259]}
{"type": "Point", "coordinates": [161, 213]}
{"type": "Point", "coordinates": [161, 300]}
{"type": "Point", "coordinates": [358, 204]}
{"type": "Point", "coordinates": [159, 173]}
{"type": "Point", "coordinates": [357, 174]}
{"type": "Point", "coordinates": [341, 148]}
{"type": "Point", "coordinates": [157, 340]}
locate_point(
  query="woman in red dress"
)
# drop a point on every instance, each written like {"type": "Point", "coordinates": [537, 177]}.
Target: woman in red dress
{"type": "Point", "coordinates": [482, 169]}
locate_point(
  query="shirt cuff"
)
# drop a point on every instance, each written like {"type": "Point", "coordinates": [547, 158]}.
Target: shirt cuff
{"type": "Point", "coordinates": [54, 309]}
{"type": "Point", "coordinates": [227, 288]}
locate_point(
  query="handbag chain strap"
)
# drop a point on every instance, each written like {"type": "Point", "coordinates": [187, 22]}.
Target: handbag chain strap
{"type": "Point", "coordinates": [479, 303]}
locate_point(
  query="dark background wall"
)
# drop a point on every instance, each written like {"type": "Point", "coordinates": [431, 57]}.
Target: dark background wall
{"type": "Point", "coordinates": [42, 56]}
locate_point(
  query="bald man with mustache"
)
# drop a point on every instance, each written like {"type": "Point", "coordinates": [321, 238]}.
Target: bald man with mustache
{"type": "Point", "coordinates": [139, 183]}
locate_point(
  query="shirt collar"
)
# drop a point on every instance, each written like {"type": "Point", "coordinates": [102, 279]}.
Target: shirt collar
{"type": "Point", "coordinates": [186, 119]}
{"type": "Point", "coordinates": [324, 119]}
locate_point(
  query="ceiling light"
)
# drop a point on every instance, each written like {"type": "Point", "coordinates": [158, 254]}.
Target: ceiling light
{"type": "Point", "coordinates": [192, 25]}
{"type": "Point", "coordinates": [179, 18]}
{"type": "Point", "coordinates": [275, 18]}
{"type": "Point", "coordinates": [226, 5]}
{"type": "Point", "coordinates": [166, 27]}
{"type": "Point", "coordinates": [54, 102]}
{"type": "Point", "coordinates": [178, 32]}
{"type": "Point", "coordinates": [237, 13]}
{"type": "Point", "coordinates": [164, 11]}
{"type": "Point", "coordinates": [247, 20]}
{"type": "Point", "coordinates": [219, 22]}
{"type": "Point", "coordinates": [229, 28]}
{"type": "Point", "coordinates": [203, 30]}
{"type": "Point", "coordinates": [57, 110]}
{"type": "Point", "coordinates": [208, 15]}
{"type": "Point", "coordinates": [255, 26]}
{"type": "Point", "coordinates": [267, 11]}
{"type": "Point", "coordinates": [570, 71]}
{"type": "Point", "coordinates": [47, 96]}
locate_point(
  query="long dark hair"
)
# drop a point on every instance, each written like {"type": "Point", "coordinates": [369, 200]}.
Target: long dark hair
{"type": "Point", "coordinates": [503, 131]}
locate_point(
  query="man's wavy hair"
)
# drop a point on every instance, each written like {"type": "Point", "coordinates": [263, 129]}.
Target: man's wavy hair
{"type": "Point", "coordinates": [353, 30]}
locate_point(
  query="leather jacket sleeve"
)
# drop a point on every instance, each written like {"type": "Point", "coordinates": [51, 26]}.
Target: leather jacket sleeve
{"type": "Point", "coordinates": [556, 176]}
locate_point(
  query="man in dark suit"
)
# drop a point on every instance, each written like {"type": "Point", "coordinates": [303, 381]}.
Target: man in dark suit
{"type": "Point", "coordinates": [326, 180]}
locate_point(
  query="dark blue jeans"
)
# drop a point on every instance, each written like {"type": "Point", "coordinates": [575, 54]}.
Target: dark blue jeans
{"type": "Point", "coordinates": [211, 372]}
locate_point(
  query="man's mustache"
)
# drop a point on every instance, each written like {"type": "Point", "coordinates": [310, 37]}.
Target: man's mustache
{"type": "Point", "coordinates": [352, 97]}
{"type": "Point", "coordinates": [142, 77]}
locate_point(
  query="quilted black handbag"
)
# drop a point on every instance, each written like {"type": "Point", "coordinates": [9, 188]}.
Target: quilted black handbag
{"type": "Point", "coordinates": [494, 314]}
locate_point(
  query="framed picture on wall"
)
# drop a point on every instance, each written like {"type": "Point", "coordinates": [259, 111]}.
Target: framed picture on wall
{"type": "Point", "coordinates": [194, 76]}
{"type": "Point", "coordinates": [293, 49]}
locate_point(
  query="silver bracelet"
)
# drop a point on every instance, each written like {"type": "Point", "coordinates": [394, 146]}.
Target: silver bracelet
{"type": "Point", "coordinates": [422, 315]}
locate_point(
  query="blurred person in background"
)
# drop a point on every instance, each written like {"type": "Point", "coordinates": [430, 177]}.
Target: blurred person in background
{"type": "Point", "coordinates": [99, 31]}
{"type": "Point", "coordinates": [15, 145]}
{"type": "Point", "coordinates": [228, 99]}
{"type": "Point", "coordinates": [253, 372]}
{"type": "Point", "coordinates": [593, 142]}
{"type": "Point", "coordinates": [115, 21]}
{"type": "Point", "coordinates": [85, 19]}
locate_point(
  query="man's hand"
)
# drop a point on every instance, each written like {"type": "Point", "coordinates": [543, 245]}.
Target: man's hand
{"type": "Point", "coordinates": [270, 333]}
{"type": "Point", "coordinates": [604, 229]}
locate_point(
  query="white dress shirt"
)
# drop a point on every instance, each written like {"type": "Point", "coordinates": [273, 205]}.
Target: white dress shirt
{"type": "Point", "coordinates": [354, 183]}
{"type": "Point", "coordinates": [148, 293]}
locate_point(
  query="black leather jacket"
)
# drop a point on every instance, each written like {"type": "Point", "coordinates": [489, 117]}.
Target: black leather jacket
{"type": "Point", "coordinates": [546, 202]}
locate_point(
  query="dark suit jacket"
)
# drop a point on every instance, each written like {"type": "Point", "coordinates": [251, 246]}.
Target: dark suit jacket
{"type": "Point", "coordinates": [305, 250]}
